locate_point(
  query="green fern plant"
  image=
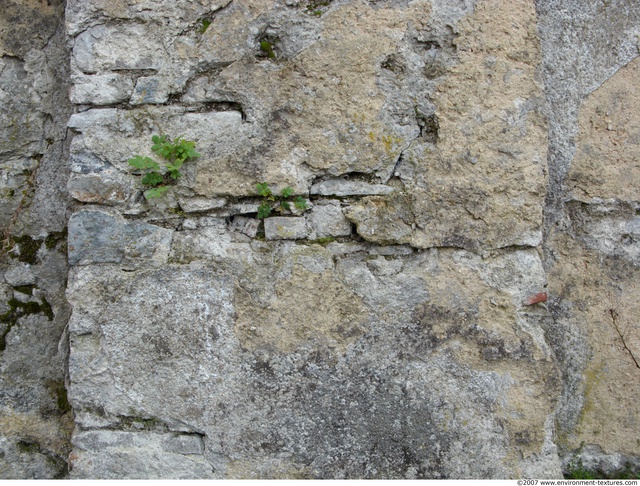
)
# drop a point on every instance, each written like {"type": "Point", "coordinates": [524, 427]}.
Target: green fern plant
{"type": "Point", "coordinates": [157, 177]}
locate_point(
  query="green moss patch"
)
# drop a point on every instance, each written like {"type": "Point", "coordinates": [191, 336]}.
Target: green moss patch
{"type": "Point", "coordinates": [28, 447]}
{"type": "Point", "coordinates": [18, 309]}
{"type": "Point", "coordinates": [205, 23]}
{"type": "Point", "coordinates": [52, 239]}
{"type": "Point", "coordinates": [58, 392]}
{"type": "Point", "coordinates": [28, 249]}
{"type": "Point", "coordinates": [25, 289]}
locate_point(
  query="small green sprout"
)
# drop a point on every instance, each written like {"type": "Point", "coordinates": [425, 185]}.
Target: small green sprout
{"type": "Point", "coordinates": [279, 203]}
{"type": "Point", "coordinates": [263, 189]}
{"type": "Point", "coordinates": [176, 153]}
{"type": "Point", "coordinates": [264, 210]}
{"type": "Point", "coordinates": [301, 203]}
{"type": "Point", "coordinates": [205, 25]}
{"type": "Point", "coordinates": [155, 192]}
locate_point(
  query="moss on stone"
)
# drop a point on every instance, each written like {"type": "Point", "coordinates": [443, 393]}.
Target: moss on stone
{"type": "Point", "coordinates": [267, 48]}
{"type": "Point", "coordinates": [140, 423]}
{"type": "Point", "coordinates": [52, 239]}
{"type": "Point", "coordinates": [324, 241]}
{"type": "Point", "coordinates": [46, 308]}
{"type": "Point", "coordinates": [18, 309]}
{"type": "Point", "coordinates": [59, 392]}
{"type": "Point", "coordinates": [205, 23]}
{"type": "Point", "coordinates": [28, 249]}
{"type": "Point", "coordinates": [25, 289]}
{"type": "Point", "coordinates": [28, 447]}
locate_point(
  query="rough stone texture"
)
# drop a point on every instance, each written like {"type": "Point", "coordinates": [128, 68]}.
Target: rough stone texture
{"type": "Point", "coordinates": [35, 417]}
{"type": "Point", "coordinates": [337, 187]}
{"type": "Point", "coordinates": [100, 237]}
{"type": "Point", "coordinates": [416, 353]}
{"type": "Point", "coordinates": [607, 160]}
{"type": "Point", "coordinates": [248, 226]}
{"type": "Point", "coordinates": [590, 222]}
{"type": "Point", "coordinates": [280, 380]}
{"type": "Point", "coordinates": [279, 228]}
{"type": "Point", "coordinates": [594, 295]}
{"type": "Point", "coordinates": [101, 89]}
{"type": "Point", "coordinates": [140, 455]}
{"type": "Point", "coordinates": [285, 357]}
{"type": "Point", "coordinates": [328, 220]}
{"type": "Point", "coordinates": [595, 279]}
{"type": "Point", "coordinates": [457, 301]}
{"type": "Point", "coordinates": [108, 187]}
{"type": "Point", "coordinates": [200, 204]}
{"type": "Point", "coordinates": [474, 177]}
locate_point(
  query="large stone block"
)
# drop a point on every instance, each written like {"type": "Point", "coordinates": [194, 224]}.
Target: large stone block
{"type": "Point", "coordinates": [101, 89]}
{"type": "Point", "coordinates": [133, 46]}
{"type": "Point", "coordinates": [436, 344]}
{"type": "Point", "coordinates": [96, 236]}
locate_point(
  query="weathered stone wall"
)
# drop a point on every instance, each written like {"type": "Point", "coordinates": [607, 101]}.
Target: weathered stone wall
{"type": "Point", "coordinates": [456, 301]}
{"type": "Point", "coordinates": [35, 416]}
{"type": "Point", "coordinates": [591, 245]}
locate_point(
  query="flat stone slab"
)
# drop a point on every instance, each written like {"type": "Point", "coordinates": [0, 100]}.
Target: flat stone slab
{"type": "Point", "coordinates": [283, 228]}
{"type": "Point", "coordinates": [108, 187]}
{"type": "Point", "coordinates": [100, 237]}
{"type": "Point", "coordinates": [198, 204]}
{"type": "Point", "coordinates": [140, 455]}
{"type": "Point", "coordinates": [340, 187]}
{"type": "Point", "coordinates": [102, 89]}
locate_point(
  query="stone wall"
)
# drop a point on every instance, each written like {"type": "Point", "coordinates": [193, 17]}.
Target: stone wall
{"type": "Point", "coordinates": [455, 301]}
{"type": "Point", "coordinates": [591, 245]}
{"type": "Point", "coordinates": [35, 417]}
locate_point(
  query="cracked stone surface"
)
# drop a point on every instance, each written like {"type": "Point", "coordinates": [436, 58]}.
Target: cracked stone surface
{"type": "Point", "coordinates": [456, 301]}
{"type": "Point", "coordinates": [36, 420]}
{"type": "Point", "coordinates": [315, 344]}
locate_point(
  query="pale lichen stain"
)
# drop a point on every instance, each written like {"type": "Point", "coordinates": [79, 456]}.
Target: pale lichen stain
{"type": "Point", "coordinates": [309, 309]}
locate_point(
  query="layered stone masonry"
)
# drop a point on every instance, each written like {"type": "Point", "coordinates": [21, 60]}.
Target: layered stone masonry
{"type": "Point", "coordinates": [407, 303]}
{"type": "Point", "coordinates": [401, 327]}
{"type": "Point", "coordinates": [377, 334]}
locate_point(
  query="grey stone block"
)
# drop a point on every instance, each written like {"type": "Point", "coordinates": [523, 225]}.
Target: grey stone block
{"type": "Point", "coordinates": [183, 444]}
{"type": "Point", "coordinates": [329, 220]}
{"type": "Point", "coordinates": [340, 187]}
{"type": "Point", "coordinates": [283, 228]}
{"type": "Point", "coordinates": [198, 203]}
{"type": "Point", "coordinates": [247, 226]}
{"type": "Point", "coordinates": [99, 237]}
{"type": "Point", "coordinates": [20, 274]}
{"type": "Point", "coordinates": [103, 89]}
{"type": "Point", "coordinates": [108, 187]}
